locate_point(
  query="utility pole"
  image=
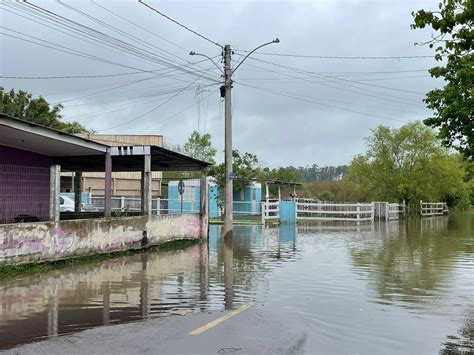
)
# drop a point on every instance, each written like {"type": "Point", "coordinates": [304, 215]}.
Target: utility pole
{"type": "Point", "coordinates": [229, 185]}
{"type": "Point", "coordinates": [226, 93]}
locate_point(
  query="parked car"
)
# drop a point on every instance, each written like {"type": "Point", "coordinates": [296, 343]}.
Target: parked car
{"type": "Point", "coordinates": [66, 204]}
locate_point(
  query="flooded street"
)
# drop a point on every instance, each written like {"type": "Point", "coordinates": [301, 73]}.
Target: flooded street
{"type": "Point", "coordinates": [400, 287]}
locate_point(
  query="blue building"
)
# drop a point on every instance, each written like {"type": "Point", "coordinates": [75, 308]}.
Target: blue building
{"type": "Point", "coordinates": [247, 202]}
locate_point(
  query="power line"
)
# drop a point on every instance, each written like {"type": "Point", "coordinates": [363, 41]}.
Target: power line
{"type": "Point", "coordinates": [154, 108]}
{"type": "Point", "coordinates": [140, 27]}
{"type": "Point", "coordinates": [74, 76]}
{"type": "Point", "coordinates": [331, 100]}
{"type": "Point", "coordinates": [181, 25]}
{"type": "Point", "coordinates": [344, 88]}
{"type": "Point", "coordinates": [336, 78]}
{"type": "Point", "coordinates": [340, 57]}
{"type": "Point", "coordinates": [318, 103]}
{"type": "Point", "coordinates": [103, 38]}
{"type": "Point", "coordinates": [172, 116]}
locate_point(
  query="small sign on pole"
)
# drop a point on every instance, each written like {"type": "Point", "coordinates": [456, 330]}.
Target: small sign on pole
{"type": "Point", "coordinates": [181, 192]}
{"type": "Point", "coordinates": [232, 175]}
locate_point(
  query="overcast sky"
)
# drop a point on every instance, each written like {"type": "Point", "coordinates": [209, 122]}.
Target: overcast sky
{"type": "Point", "coordinates": [287, 110]}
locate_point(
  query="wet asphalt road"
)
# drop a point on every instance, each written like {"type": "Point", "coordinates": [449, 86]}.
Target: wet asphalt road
{"type": "Point", "coordinates": [249, 332]}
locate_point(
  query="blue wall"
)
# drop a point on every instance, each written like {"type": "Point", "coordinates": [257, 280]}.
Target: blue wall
{"type": "Point", "coordinates": [248, 207]}
{"type": "Point", "coordinates": [287, 212]}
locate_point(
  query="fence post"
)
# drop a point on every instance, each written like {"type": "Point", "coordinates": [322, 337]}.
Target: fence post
{"type": "Point", "coordinates": [358, 214]}
{"type": "Point", "coordinates": [421, 208]}
{"type": "Point", "coordinates": [263, 212]}
{"type": "Point", "coordinates": [158, 206]}
{"type": "Point", "coordinates": [122, 203]}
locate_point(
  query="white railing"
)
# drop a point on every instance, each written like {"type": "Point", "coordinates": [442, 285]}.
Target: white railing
{"type": "Point", "coordinates": [159, 206]}
{"type": "Point", "coordinates": [388, 211]}
{"type": "Point", "coordinates": [339, 212]}
{"type": "Point", "coordinates": [270, 210]}
{"type": "Point", "coordinates": [433, 208]}
{"type": "Point", "coordinates": [130, 204]}
{"type": "Point", "coordinates": [395, 210]}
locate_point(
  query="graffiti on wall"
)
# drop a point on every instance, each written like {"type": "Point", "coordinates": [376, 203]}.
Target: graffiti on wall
{"type": "Point", "coordinates": [48, 241]}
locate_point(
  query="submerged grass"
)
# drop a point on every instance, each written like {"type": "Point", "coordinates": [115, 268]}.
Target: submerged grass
{"type": "Point", "coordinates": [7, 271]}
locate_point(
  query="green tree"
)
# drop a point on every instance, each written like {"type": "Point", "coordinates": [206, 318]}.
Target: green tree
{"type": "Point", "coordinates": [22, 105]}
{"type": "Point", "coordinates": [199, 146]}
{"type": "Point", "coordinates": [453, 105]}
{"type": "Point", "coordinates": [245, 167]}
{"type": "Point", "coordinates": [409, 164]}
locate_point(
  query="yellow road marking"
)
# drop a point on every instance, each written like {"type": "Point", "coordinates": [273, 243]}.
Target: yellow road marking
{"type": "Point", "coordinates": [221, 319]}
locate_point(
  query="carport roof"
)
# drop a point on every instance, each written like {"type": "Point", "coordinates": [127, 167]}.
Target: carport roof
{"type": "Point", "coordinates": [75, 153]}
{"type": "Point", "coordinates": [32, 137]}
{"type": "Point", "coordinates": [161, 160]}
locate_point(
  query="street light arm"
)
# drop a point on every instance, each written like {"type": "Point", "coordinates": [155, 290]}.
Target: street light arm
{"type": "Point", "coordinates": [203, 55]}
{"type": "Point", "coordinates": [276, 40]}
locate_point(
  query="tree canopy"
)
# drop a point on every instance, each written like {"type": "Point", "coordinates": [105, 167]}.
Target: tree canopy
{"type": "Point", "coordinates": [453, 105]}
{"type": "Point", "coordinates": [22, 105]}
{"type": "Point", "coordinates": [410, 164]}
{"type": "Point", "coordinates": [199, 146]}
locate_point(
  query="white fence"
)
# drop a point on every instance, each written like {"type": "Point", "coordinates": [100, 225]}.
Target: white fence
{"type": "Point", "coordinates": [389, 211]}
{"type": "Point", "coordinates": [338, 212]}
{"type": "Point", "coordinates": [159, 206]}
{"type": "Point", "coordinates": [270, 210]}
{"type": "Point", "coordinates": [433, 208]}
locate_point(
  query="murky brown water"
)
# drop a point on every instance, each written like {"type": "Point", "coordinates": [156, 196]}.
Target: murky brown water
{"type": "Point", "coordinates": [403, 287]}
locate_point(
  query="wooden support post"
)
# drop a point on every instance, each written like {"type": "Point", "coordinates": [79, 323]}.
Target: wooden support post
{"type": "Point", "coordinates": [263, 212]}
{"type": "Point", "coordinates": [203, 204]}
{"type": "Point", "coordinates": [54, 188]}
{"type": "Point", "coordinates": [267, 193]}
{"type": "Point", "coordinates": [108, 185]}
{"type": "Point", "coordinates": [77, 191]}
{"type": "Point", "coordinates": [279, 193]}
{"type": "Point", "coordinates": [146, 186]}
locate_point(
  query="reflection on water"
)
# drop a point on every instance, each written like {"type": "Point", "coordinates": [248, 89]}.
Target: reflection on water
{"type": "Point", "coordinates": [343, 286]}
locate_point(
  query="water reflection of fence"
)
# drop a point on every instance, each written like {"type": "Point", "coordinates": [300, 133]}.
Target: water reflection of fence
{"type": "Point", "coordinates": [433, 208]}
{"type": "Point", "coordinates": [340, 212]}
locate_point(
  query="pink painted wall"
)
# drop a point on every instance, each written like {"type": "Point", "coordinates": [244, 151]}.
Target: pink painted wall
{"type": "Point", "coordinates": [30, 242]}
{"type": "Point", "coordinates": [24, 184]}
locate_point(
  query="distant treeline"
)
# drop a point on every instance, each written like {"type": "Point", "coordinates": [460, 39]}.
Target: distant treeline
{"type": "Point", "coordinates": [310, 173]}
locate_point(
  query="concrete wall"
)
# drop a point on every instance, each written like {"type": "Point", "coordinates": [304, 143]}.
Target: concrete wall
{"type": "Point", "coordinates": [24, 184]}
{"type": "Point", "coordinates": [30, 242]}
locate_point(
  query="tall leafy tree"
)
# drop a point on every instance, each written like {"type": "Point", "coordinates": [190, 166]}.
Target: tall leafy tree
{"type": "Point", "coordinates": [410, 164]}
{"type": "Point", "coordinates": [453, 105]}
{"type": "Point", "coordinates": [199, 146]}
{"type": "Point", "coordinates": [245, 167]}
{"type": "Point", "coordinates": [22, 105]}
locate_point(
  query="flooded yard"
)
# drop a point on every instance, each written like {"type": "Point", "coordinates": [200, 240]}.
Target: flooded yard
{"type": "Point", "coordinates": [398, 287]}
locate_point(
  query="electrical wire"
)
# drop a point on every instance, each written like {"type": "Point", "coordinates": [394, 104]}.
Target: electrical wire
{"type": "Point", "coordinates": [104, 39]}
{"type": "Point", "coordinates": [335, 77]}
{"type": "Point", "coordinates": [154, 108]}
{"type": "Point", "coordinates": [339, 57]}
{"type": "Point", "coordinates": [319, 103]}
{"type": "Point", "coordinates": [344, 88]}
{"type": "Point", "coordinates": [181, 25]}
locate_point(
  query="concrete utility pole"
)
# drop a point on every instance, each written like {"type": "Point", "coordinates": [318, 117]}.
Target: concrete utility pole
{"type": "Point", "coordinates": [226, 92]}
{"type": "Point", "coordinates": [229, 186]}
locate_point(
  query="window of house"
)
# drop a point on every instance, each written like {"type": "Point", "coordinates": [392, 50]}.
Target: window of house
{"type": "Point", "coordinates": [188, 194]}
{"type": "Point", "coordinates": [254, 194]}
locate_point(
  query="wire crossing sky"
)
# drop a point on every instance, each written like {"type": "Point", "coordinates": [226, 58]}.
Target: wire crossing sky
{"type": "Point", "coordinates": [342, 67]}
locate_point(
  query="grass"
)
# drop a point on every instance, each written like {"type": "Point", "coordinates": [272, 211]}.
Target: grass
{"type": "Point", "coordinates": [43, 266]}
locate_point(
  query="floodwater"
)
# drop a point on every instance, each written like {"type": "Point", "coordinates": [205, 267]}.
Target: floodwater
{"type": "Point", "coordinates": [403, 287]}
